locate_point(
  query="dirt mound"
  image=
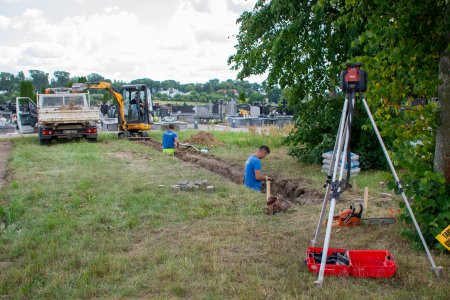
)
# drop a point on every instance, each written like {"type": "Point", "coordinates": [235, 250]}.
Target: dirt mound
{"type": "Point", "coordinates": [205, 139]}
{"type": "Point", "coordinates": [70, 106]}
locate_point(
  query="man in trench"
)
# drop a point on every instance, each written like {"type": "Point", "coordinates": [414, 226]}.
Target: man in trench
{"type": "Point", "coordinates": [170, 140]}
{"type": "Point", "coordinates": [253, 176]}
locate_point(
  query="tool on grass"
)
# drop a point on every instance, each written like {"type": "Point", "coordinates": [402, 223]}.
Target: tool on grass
{"type": "Point", "coordinates": [351, 217]}
{"type": "Point", "coordinates": [203, 149]}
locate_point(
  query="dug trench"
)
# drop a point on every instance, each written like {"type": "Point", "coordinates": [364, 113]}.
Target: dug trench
{"type": "Point", "coordinates": [296, 190]}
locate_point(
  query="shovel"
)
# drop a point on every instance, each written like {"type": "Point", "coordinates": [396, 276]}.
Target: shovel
{"type": "Point", "coordinates": [270, 200]}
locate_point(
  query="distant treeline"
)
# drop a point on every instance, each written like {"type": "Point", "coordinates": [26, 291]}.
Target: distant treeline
{"type": "Point", "coordinates": [163, 90]}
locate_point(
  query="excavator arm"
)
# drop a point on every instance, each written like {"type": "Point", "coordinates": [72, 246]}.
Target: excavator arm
{"type": "Point", "coordinates": [107, 87]}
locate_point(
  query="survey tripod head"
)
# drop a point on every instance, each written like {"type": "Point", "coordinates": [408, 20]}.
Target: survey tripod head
{"type": "Point", "coordinates": [353, 79]}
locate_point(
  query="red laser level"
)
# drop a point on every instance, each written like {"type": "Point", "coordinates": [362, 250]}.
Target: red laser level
{"type": "Point", "coordinates": [354, 79]}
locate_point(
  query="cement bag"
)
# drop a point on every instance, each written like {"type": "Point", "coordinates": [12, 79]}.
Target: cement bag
{"type": "Point", "coordinates": [329, 155]}
{"type": "Point", "coordinates": [354, 163]}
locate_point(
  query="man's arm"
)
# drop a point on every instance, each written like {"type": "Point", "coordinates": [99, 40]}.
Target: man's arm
{"type": "Point", "coordinates": [259, 176]}
{"type": "Point", "coordinates": [177, 142]}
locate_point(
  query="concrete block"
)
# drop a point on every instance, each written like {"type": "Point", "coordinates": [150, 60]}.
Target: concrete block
{"type": "Point", "coordinates": [190, 186]}
{"type": "Point", "coordinates": [175, 188]}
{"type": "Point", "coordinates": [210, 188]}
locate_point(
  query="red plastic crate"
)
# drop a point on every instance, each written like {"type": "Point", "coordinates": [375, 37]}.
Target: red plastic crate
{"type": "Point", "coordinates": [371, 263]}
{"type": "Point", "coordinates": [335, 270]}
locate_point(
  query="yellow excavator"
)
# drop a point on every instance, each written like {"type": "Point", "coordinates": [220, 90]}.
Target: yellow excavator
{"type": "Point", "coordinates": [134, 107]}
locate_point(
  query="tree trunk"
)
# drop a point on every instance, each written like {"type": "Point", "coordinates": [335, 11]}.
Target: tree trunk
{"type": "Point", "coordinates": [442, 152]}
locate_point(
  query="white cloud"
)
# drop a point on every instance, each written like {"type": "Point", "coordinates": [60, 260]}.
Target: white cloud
{"type": "Point", "coordinates": [32, 13]}
{"type": "Point", "coordinates": [191, 45]}
{"type": "Point", "coordinates": [112, 9]}
{"type": "Point", "coordinates": [5, 22]}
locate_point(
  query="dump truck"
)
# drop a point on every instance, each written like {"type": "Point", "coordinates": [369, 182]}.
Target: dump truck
{"type": "Point", "coordinates": [59, 114]}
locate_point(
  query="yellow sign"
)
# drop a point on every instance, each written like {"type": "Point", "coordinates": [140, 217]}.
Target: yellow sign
{"type": "Point", "coordinates": [444, 237]}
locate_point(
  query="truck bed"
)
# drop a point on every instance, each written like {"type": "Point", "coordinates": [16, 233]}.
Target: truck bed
{"type": "Point", "coordinates": [67, 116]}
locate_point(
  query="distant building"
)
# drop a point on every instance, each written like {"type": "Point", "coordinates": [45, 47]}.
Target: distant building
{"type": "Point", "coordinates": [173, 92]}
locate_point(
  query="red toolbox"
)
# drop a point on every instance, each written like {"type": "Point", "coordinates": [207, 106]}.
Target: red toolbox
{"type": "Point", "coordinates": [371, 263]}
{"type": "Point", "coordinates": [361, 263]}
{"type": "Point", "coordinates": [313, 263]}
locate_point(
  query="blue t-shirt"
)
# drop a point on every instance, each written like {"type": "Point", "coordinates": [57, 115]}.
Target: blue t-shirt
{"type": "Point", "coordinates": [253, 164]}
{"type": "Point", "coordinates": [169, 139]}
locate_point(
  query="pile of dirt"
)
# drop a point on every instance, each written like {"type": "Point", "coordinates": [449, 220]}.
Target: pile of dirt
{"type": "Point", "coordinates": [205, 139]}
{"type": "Point", "coordinates": [70, 106]}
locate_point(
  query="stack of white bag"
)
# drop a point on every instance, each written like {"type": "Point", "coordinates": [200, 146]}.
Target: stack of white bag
{"type": "Point", "coordinates": [354, 164]}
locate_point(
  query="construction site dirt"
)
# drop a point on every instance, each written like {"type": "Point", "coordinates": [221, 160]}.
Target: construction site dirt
{"type": "Point", "coordinates": [5, 148]}
{"type": "Point", "coordinates": [294, 190]}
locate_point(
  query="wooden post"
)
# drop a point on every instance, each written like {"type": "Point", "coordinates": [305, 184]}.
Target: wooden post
{"type": "Point", "coordinates": [366, 197]}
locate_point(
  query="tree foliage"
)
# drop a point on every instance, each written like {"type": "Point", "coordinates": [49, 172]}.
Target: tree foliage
{"type": "Point", "coordinates": [39, 79]}
{"type": "Point", "coordinates": [27, 90]}
{"type": "Point", "coordinates": [6, 81]}
{"type": "Point", "coordinates": [61, 79]}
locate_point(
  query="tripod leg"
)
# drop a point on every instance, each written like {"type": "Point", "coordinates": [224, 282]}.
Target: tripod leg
{"type": "Point", "coordinates": [341, 155]}
{"type": "Point", "coordinates": [330, 172]}
{"type": "Point", "coordinates": [436, 269]}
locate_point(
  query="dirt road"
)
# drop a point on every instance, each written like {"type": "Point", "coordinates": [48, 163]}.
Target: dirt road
{"type": "Point", "coordinates": [5, 148]}
{"type": "Point", "coordinates": [292, 189]}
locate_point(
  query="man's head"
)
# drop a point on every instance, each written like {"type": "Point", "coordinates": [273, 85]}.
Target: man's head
{"type": "Point", "coordinates": [263, 151]}
{"type": "Point", "coordinates": [171, 126]}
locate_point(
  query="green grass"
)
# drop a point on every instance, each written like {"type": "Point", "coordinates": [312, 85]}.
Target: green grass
{"type": "Point", "coordinates": [90, 221]}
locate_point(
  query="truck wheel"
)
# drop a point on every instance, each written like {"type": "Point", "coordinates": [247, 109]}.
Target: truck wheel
{"type": "Point", "coordinates": [45, 142]}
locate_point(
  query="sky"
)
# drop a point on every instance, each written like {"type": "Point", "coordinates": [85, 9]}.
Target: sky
{"type": "Point", "coordinates": [184, 40]}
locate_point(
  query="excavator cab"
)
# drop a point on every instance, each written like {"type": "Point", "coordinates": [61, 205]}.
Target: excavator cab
{"type": "Point", "coordinates": [137, 106]}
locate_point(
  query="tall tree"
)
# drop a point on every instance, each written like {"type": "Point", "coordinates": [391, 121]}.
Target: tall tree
{"type": "Point", "coordinates": [94, 77]}
{"type": "Point", "coordinates": [6, 81]}
{"type": "Point", "coordinates": [26, 89]}
{"type": "Point", "coordinates": [442, 154]}
{"type": "Point", "coordinates": [82, 79]}
{"type": "Point", "coordinates": [61, 78]}
{"type": "Point", "coordinates": [274, 94]}
{"type": "Point", "coordinates": [39, 79]}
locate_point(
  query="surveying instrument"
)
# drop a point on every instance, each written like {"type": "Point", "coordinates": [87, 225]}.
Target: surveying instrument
{"type": "Point", "coordinates": [353, 80]}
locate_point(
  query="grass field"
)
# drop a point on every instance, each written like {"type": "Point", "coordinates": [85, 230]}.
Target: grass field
{"type": "Point", "coordinates": [90, 221]}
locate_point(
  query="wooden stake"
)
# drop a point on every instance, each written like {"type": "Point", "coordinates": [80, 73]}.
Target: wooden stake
{"type": "Point", "coordinates": [366, 197]}
{"type": "Point", "coordinates": [355, 187]}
